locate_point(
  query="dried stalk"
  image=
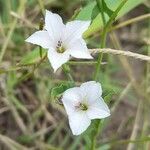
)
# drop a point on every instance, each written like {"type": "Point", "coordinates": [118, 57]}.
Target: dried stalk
{"type": "Point", "coordinates": [121, 52]}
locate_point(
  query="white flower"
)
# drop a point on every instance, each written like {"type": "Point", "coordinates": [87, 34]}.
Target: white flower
{"type": "Point", "coordinates": [62, 41]}
{"type": "Point", "coordinates": [83, 104]}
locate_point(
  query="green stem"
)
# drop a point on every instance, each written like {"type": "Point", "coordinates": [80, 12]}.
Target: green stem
{"type": "Point", "coordinates": [100, 57]}
{"type": "Point", "coordinates": [104, 35]}
{"type": "Point", "coordinates": [97, 71]}
{"type": "Point", "coordinates": [66, 70]}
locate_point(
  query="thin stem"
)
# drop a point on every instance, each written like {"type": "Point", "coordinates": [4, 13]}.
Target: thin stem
{"type": "Point", "coordinates": [82, 62]}
{"type": "Point", "coordinates": [148, 64]}
{"type": "Point", "coordinates": [103, 42]}
{"type": "Point", "coordinates": [66, 70]}
{"type": "Point", "coordinates": [100, 57]}
{"type": "Point", "coordinates": [104, 35]}
{"type": "Point", "coordinates": [121, 53]}
{"type": "Point", "coordinates": [41, 25]}
{"type": "Point", "coordinates": [130, 21]}
{"type": "Point", "coordinates": [97, 122]}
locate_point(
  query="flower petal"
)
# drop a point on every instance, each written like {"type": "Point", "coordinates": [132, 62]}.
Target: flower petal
{"type": "Point", "coordinates": [54, 25]}
{"type": "Point", "coordinates": [98, 110]}
{"type": "Point", "coordinates": [40, 38]}
{"type": "Point", "coordinates": [71, 98]}
{"type": "Point", "coordinates": [57, 59]}
{"type": "Point", "coordinates": [79, 122]}
{"type": "Point", "coordinates": [92, 90]}
{"type": "Point", "coordinates": [78, 49]}
{"type": "Point", "coordinates": [75, 29]}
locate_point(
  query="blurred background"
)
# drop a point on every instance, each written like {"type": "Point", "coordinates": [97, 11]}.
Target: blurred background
{"type": "Point", "coordinates": [30, 118]}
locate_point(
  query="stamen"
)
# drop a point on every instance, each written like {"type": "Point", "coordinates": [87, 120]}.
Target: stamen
{"type": "Point", "coordinates": [82, 106]}
{"type": "Point", "coordinates": [60, 48]}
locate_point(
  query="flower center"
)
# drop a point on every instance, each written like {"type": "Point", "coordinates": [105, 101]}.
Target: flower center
{"type": "Point", "coordinates": [60, 48]}
{"type": "Point", "coordinates": [82, 106]}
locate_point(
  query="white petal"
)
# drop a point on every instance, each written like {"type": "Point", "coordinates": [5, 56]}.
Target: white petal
{"type": "Point", "coordinates": [57, 59]}
{"type": "Point", "coordinates": [98, 110]}
{"type": "Point", "coordinates": [73, 95]}
{"type": "Point", "coordinates": [71, 99]}
{"type": "Point", "coordinates": [40, 38]}
{"type": "Point", "coordinates": [92, 90]}
{"type": "Point", "coordinates": [79, 122]}
{"type": "Point", "coordinates": [75, 29]}
{"type": "Point", "coordinates": [78, 49]}
{"type": "Point", "coordinates": [54, 25]}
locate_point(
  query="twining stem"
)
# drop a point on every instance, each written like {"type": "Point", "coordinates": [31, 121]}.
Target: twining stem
{"type": "Point", "coordinates": [100, 6]}
{"type": "Point", "coordinates": [97, 122]}
{"type": "Point", "coordinates": [100, 57]}
{"type": "Point", "coordinates": [103, 38]}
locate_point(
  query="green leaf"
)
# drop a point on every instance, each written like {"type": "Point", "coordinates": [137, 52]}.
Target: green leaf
{"type": "Point", "coordinates": [108, 11]}
{"type": "Point", "coordinates": [58, 90]}
{"type": "Point", "coordinates": [97, 10]}
{"type": "Point", "coordinates": [97, 23]}
{"type": "Point", "coordinates": [32, 57]}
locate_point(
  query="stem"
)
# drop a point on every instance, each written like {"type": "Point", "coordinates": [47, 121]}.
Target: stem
{"type": "Point", "coordinates": [41, 25]}
{"type": "Point", "coordinates": [130, 21]}
{"type": "Point", "coordinates": [100, 57]}
{"type": "Point", "coordinates": [97, 122]}
{"type": "Point", "coordinates": [82, 62]}
{"type": "Point", "coordinates": [104, 35]}
{"type": "Point", "coordinates": [66, 70]}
